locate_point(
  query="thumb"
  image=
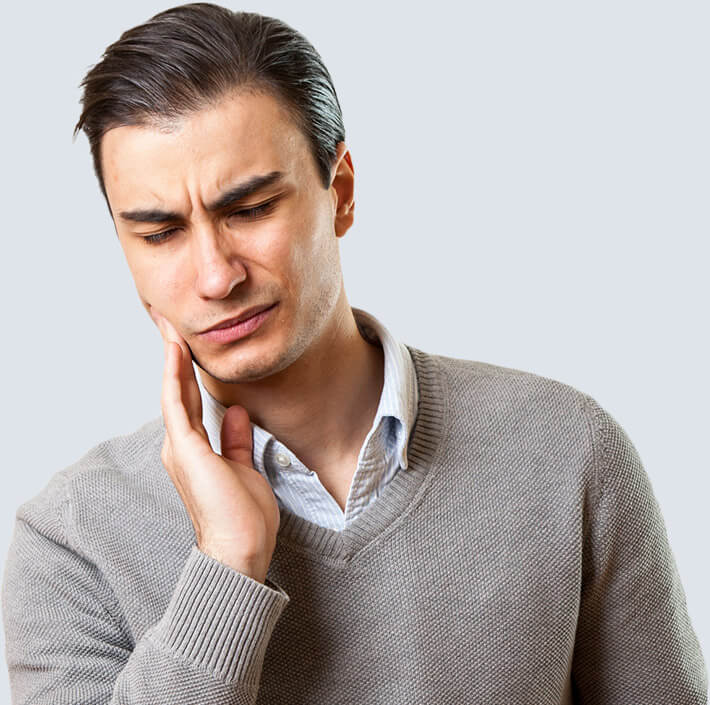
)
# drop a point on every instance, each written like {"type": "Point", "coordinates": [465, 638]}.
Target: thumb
{"type": "Point", "coordinates": [235, 436]}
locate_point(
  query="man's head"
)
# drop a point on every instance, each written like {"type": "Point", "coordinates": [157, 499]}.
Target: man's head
{"type": "Point", "coordinates": [178, 163]}
{"type": "Point", "coordinates": [189, 56]}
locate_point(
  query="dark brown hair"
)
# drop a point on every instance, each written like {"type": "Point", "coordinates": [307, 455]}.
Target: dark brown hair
{"type": "Point", "coordinates": [188, 57]}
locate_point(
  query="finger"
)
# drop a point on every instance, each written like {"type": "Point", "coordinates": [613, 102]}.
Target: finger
{"type": "Point", "coordinates": [168, 330]}
{"type": "Point", "coordinates": [236, 436]}
{"type": "Point", "coordinates": [176, 475]}
{"type": "Point", "coordinates": [191, 397]}
{"type": "Point", "coordinates": [190, 390]}
{"type": "Point", "coordinates": [168, 459]}
{"type": "Point", "coordinates": [189, 441]}
{"type": "Point", "coordinates": [177, 421]}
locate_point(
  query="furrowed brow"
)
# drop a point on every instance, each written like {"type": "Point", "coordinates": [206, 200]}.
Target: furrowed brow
{"type": "Point", "coordinates": [243, 191]}
{"type": "Point", "coordinates": [234, 195]}
{"type": "Point", "coordinates": [150, 215]}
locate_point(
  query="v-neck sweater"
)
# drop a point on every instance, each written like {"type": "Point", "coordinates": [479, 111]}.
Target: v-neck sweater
{"type": "Point", "coordinates": [522, 558]}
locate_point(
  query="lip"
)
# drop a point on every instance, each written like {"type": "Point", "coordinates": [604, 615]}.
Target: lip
{"type": "Point", "coordinates": [248, 313]}
{"type": "Point", "coordinates": [239, 326]}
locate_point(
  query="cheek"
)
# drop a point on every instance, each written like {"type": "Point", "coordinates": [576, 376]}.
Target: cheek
{"type": "Point", "coordinates": [158, 283]}
{"type": "Point", "coordinates": [318, 255]}
{"type": "Point", "coordinates": [288, 251]}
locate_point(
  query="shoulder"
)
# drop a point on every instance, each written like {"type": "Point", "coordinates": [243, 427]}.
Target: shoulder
{"type": "Point", "coordinates": [109, 467]}
{"type": "Point", "coordinates": [475, 381]}
{"type": "Point", "coordinates": [523, 407]}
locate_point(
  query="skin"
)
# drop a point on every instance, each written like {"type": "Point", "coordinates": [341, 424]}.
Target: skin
{"type": "Point", "coordinates": [306, 374]}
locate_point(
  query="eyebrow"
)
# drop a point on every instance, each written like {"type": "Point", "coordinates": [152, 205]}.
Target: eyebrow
{"type": "Point", "coordinates": [231, 197]}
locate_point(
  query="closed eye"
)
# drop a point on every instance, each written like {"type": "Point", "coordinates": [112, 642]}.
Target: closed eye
{"type": "Point", "coordinates": [251, 213]}
{"type": "Point", "coordinates": [255, 211]}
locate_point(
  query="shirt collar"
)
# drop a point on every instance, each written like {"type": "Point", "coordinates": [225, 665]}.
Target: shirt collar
{"type": "Point", "coordinates": [399, 393]}
{"type": "Point", "coordinates": [399, 398]}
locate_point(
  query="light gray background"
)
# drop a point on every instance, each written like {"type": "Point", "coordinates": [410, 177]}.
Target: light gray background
{"type": "Point", "coordinates": [531, 189]}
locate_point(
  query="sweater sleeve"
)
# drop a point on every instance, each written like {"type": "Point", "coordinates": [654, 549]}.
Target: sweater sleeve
{"type": "Point", "coordinates": [66, 641]}
{"type": "Point", "coordinates": [634, 641]}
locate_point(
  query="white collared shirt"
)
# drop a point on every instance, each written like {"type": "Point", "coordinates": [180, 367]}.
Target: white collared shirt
{"type": "Point", "coordinates": [383, 453]}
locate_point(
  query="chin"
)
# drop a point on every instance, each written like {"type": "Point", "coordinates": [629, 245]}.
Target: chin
{"type": "Point", "coordinates": [232, 367]}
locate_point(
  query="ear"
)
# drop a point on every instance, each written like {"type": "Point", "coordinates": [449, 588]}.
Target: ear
{"type": "Point", "coordinates": [342, 187]}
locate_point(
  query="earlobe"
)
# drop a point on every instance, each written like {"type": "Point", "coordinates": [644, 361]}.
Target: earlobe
{"type": "Point", "coordinates": [344, 220]}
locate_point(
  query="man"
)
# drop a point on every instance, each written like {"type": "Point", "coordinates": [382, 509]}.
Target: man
{"type": "Point", "coordinates": [320, 514]}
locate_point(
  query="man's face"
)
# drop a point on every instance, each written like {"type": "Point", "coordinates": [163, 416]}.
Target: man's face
{"type": "Point", "coordinates": [219, 256]}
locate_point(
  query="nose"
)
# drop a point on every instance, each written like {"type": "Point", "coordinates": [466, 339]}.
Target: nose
{"type": "Point", "coordinates": [219, 268]}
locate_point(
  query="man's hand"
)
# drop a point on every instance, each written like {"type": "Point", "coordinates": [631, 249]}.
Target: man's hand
{"type": "Point", "coordinates": [231, 505]}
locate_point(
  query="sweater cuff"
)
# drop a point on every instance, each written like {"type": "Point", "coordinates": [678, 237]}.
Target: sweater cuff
{"type": "Point", "coordinates": [221, 619]}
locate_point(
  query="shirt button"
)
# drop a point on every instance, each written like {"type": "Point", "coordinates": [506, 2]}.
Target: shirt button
{"type": "Point", "coordinates": [283, 460]}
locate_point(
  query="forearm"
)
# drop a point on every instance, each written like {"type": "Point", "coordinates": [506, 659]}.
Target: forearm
{"type": "Point", "coordinates": [209, 645]}
{"type": "Point", "coordinates": [65, 644]}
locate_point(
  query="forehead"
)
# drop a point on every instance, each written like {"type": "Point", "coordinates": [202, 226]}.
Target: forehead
{"type": "Point", "coordinates": [241, 135]}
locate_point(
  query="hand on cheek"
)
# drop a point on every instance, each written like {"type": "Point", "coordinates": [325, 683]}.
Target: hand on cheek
{"type": "Point", "coordinates": [169, 332]}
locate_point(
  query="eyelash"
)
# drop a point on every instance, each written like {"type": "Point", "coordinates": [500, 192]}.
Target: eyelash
{"type": "Point", "coordinates": [247, 213]}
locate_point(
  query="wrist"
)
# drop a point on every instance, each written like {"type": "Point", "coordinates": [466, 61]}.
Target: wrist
{"type": "Point", "coordinates": [252, 567]}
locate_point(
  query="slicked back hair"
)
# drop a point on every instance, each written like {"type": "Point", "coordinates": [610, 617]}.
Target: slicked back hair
{"type": "Point", "coordinates": [189, 57]}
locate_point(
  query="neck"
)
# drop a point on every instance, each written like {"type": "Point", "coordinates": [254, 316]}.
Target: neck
{"type": "Point", "coordinates": [324, 404]}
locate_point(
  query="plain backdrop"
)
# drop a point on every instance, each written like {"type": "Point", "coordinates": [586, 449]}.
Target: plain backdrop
{"type": "Point", "coordinates": [531, 191]}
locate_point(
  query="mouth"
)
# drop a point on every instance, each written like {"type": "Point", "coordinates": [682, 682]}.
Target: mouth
{"type": "Point", "coordinates": [243, 316]}
{"type": "Point", "coordinates": [240, 326]}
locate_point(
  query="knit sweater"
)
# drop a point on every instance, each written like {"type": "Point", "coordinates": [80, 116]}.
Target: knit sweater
{"type": "Point", "coordinates": [522, 558]}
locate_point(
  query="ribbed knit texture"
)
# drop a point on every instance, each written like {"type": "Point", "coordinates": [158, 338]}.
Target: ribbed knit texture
{"type": "Point", "coordinates": [522, 558]}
